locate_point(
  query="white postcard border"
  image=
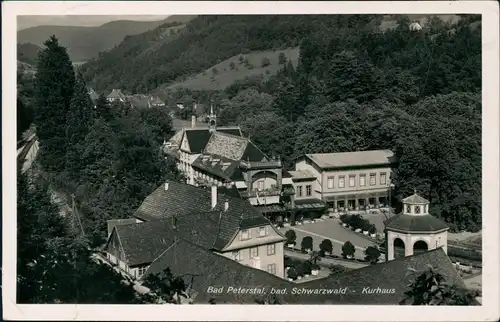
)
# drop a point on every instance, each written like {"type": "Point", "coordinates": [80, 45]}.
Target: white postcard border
{"type": "Point", "coordinates": [490, 184]}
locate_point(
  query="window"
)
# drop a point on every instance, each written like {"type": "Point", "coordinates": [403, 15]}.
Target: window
{"type": "Point", "coordinates": [271, 268]}
{"type": "Point", "coordinates": [141, 271]}
{"type": "Point", "coordinates": [373, 179]}
{"type": "Point", "coordinates": [237, 256]}
{"type": "Point", "coordinates": [341, 182]}
{"type": "Point", "coordinates": [260, 185]}
{"type": "Point", "coordinates": [383, 178]}
{"type": "Point", "coordinates": [417, 209]}
{"type": "Point", "coordinates": [262, 231]}
{"type": "Point", "coordinates": [362, 180]}
{"type": "Point", "coordinates": [330, 182]}
{"type": "Point", "coordinates": [299, 191]}
{"type": "Point", "coordinates": [352, 181]}
{"type": "Point", "coordinates": [245, 234]}
{"type": "Point", "coordinates": [271, 249]}
{"type": "Point", "coordinates": [308, 190]}
{"type": "Point", "coordinates": [254, 252]}
{"type": "Point", "coordinates": [408, 208]}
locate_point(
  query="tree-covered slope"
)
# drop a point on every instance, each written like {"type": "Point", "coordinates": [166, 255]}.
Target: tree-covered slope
{"type": "Point", "coordinates": [206, 41]}
{"type": "Point", "coordinates": [27, 53]}
{"type": "Point", "coordinates": [84, 43]}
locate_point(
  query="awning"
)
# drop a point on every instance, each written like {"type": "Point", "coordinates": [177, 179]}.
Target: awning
{"type": "Point", "coordinates": [359, 195]}
{"type": "Point", "coordinates": [240, 184]}
{"type": "Point", "coordinates": [287, 181]}
{"type": "Point", "coordinates": [309, 204]}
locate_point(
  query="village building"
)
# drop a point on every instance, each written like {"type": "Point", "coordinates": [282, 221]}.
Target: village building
{"type": "Point", "coordinates": [116, 95]}
{"type": "Point", "coordinates": [155, 101]}
{"type": "Point", "coordinates": [414, 230]}
{"type": "Point", "coordinates": [213, 219]}
{"type": "Point", "coordinates": [222, 156]}
{"type": "Point", "coordinates": [346, 180]}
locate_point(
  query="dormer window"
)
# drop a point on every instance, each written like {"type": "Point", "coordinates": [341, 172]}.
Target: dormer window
{"type": "Point", "coordinates": [417, 209]}
{"type": "Point", "coordinates": [262, 231]}
{"type": "Point", "coordinates": [408, 208]}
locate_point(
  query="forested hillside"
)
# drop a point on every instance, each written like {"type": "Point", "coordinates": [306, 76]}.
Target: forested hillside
{"type": "Point", "coordinates": [206, 41]}
{"type": "Point", "coordinates": [27, 53]}
{"type": "Point", "coordinates": [84, 43]}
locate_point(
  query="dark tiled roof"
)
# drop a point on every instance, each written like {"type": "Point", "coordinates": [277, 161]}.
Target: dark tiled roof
{"type": "Point", "coordinates": [197, 139]}
{"type": "Point", "coordinates": [416, 223]}
{"type": "Point", "coordinates": [143, 242]}
{"type": "Point", "coordinates": [201, 268]}
{"type": "Point", "coordinates": [116, 222]}
{"type": "Point", "coordinates": [253, 153]}
{"type": "Point", "coordinates": [224, 168]}
{"type": "Point", "coordinates": [388, 275]}
{"type": "Point", "coordinates": [233, 147]}
{"type": "Point", "coordinates": [415, 199]}
{"type": "Point", "coordinates": [178, 201]}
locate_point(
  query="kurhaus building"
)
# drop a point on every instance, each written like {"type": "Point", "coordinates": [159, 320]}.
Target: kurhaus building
{"type": "Point", "coordinates": [347, 180]}
{"type": "Point", "coordinates": [222, 156]}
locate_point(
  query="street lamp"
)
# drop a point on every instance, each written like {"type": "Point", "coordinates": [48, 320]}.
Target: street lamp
{"type": "Point", "coordinates": [391, 186]}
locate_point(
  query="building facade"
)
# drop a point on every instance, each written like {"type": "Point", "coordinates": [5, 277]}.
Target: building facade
{"type": "Point", "coordinates": [222, 156]}
{"type": "Point", "coordinates": [347, 180]}
{"type": "Point", "coordinates": [414, 230]}
{"type": "Point", "coordinates": [217, 222]}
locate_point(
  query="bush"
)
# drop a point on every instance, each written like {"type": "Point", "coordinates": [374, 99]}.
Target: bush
{"type": "Point", "coordinates": [348, 249]}
{"type": "Point", "coordinates": [337, 269]}
{"type": "Point", "coordinates": [372, 229]}
{"type": "Point", "coordinates": [281, 58]}
{"type": "Point", "coordinates": [326, 246]}
{"type": "Point", "coordinates": [306, 268]}
{"type": "Point", "coordinates": [465, 253]}
{"type": "Point", "coordinates": [291, 236]}
{"type": "Point", "coordinates": [232, 65]}
{"type": "Point", "coordinates": [372, 254]}
{"type": "Point", "coordinates": [265, 62]}
{"type": "Point", "coordinates": [307, 243]}
{"type": "Point", "coordinates": [292, 273]}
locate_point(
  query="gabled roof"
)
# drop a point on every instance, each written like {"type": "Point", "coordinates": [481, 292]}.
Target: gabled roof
{"type": "Point", "coordinates": [116, 94]}
{"type": "Point", "coordinates": [415, 199]}
{"type": "Point", "coordinates": [112, 223]}
{"type": "Point", "coordinates": [143, 242]}
{"type": "Point", "coordinates": [415, 223]}
{"type": "Point", "coordinates": [350, 159]}
{"type": "Point", "coordinates": [389, 275]}
{"type": "Point", "coordinates": [178, 201]}
{"type": "Point", "coordinates": [201, 268]}
{"type": "Point", "coordinates": [224, 168]}
{"type": "Point", "coordinates": [199, 137]}
{"type": "Point", "coordinates": [156, 101]}
{"type": "Point", "coordinates": [233, 147]}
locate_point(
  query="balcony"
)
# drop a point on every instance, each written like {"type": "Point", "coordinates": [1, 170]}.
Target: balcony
{"type": "Point", "coordinates": [274, 191]}
{"type": "Point", "coordinates": [288, 191]}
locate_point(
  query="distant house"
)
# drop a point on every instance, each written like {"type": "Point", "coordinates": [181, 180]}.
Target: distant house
{"type": "Point", "coordinates": [155, 101]}
{"type": "Point", "coordinates": [415, 26]}
{"type": "Point", "coordinates": [116, 95]}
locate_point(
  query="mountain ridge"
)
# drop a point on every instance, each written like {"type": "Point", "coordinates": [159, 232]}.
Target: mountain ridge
{"type": "Point", "coordinates": [84, 42]}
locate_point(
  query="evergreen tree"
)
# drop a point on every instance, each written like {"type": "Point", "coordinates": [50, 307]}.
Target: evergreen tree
{"type": "Point", "coordinates": [103, 108]}
{"type": "Point", "coordinates": [79, 120]}
{"type": "Point", "coordinates": [53, 88]}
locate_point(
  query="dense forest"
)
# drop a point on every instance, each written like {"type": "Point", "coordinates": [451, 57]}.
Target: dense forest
{"type": "Point", "coordinates": [107, 157]}
{"type": "Point", "coordinates": [416, 93]}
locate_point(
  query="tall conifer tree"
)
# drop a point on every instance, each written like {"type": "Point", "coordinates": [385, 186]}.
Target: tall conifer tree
{"type": "Point", "coordinates": [53, 87]}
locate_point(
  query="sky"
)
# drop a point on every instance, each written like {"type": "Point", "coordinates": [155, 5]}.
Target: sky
{"type": "Point", "coordinates": [73, 20]}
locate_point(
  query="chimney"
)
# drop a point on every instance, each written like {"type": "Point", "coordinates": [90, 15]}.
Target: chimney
{"type": "Point", "coordinates": [193, 121]}
{"type": "Point", "coordinates": [214, 196]}
{"type": "Point", "coordinates": [174, 222]}
{"type": "Point", "coordinates": [166, 186]}
{"type": "Point", "coordinates": [226, 205]}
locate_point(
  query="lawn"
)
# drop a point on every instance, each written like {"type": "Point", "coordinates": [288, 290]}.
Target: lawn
{"type": "Point", "coordinates": [226, 76]}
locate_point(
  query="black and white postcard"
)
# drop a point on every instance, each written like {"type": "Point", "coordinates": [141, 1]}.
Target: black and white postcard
{"type": "Point", "coordinates": [250, 161]}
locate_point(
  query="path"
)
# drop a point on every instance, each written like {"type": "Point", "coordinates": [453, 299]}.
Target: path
{"type": "Point", "coordinates": [325, 261]}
